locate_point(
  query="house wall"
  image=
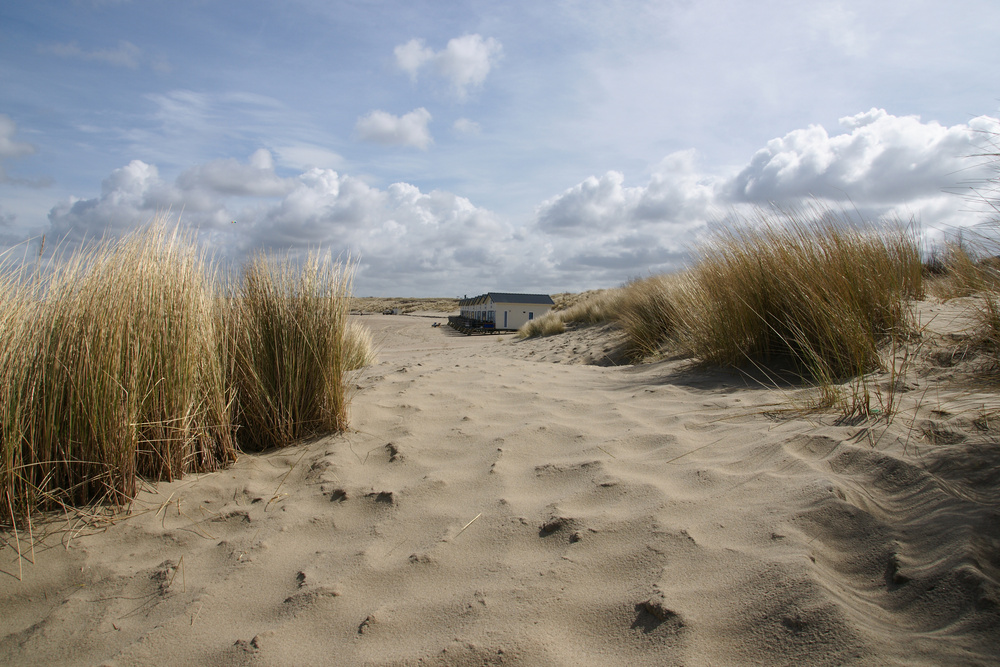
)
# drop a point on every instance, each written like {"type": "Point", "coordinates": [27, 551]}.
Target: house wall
{"type": "Point", "coordinates": [517, 313]}
{"type": "Point", "coordinates": [479, 311]}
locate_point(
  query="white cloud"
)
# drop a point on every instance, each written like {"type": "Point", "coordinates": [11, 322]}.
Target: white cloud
{"type": "Point", "coordinates": [405, 238]}
{"type": "Point", "coordinates": [126, 55]}
{"type": "Point", "coordinates": [466, 127]}
{"type": "Point", "coordinates": [675, 194]}
{"type": "Point", "coordinates": [465, 62]}
{"type": "Point", "coordinates": [384, 128]}
{"type": "Point", "coordinates": [229, 177]}
{"type": "Point", "coordinates": [880, 160]}
{"type": "Point", "coordinates": [130, 196]}
{"type": "Point", "coordinates": [599, 232]}
{"type": "Point", "coordinates": [610, 232]}
{"type": "Point", "coordinates": [412, 56]}
{"type": "Point", "coordinates": [885, 166]}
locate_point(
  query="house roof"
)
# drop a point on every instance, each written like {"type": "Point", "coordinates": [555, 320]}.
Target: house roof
{"type": "Point", "coordinates": [509, 297]}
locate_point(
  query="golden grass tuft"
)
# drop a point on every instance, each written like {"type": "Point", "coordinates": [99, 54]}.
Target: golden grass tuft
{"type": "Point", "coordinates": [126, 360]}
{"type": "Point", "coordinates": [823, 296]}
{"type": "Point", "coordinates": [110, 371]}
{"type": "Point", "coordinates": [812, 290]}
{"type": "Point", "coordinates": [595, 308]}
{"type": "Point", "coordinates": [549, 324]}
{"type": "Point", "coordinates": [651, 313]}
{"type": "Point", "coordinates": [288, 329]}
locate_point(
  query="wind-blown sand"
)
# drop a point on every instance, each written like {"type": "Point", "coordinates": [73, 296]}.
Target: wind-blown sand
{"type": "Point", "coordinates": [502, 502]}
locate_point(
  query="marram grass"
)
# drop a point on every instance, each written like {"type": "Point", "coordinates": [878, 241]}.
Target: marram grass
{"type": "Point", "coordinates": [289, 327]}
{"type": "Point", "coordinates": [549, 324]}
{"type": "Point", "coordinates": [822, 295]}
{"type": "Point", "coordinates": [126, 360]}
{"type": "Point", "coordinates": [814, 290]}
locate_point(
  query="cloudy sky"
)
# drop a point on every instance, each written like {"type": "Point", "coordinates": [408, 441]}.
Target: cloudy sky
{"type": "Point", "coordinates": [461, 147]}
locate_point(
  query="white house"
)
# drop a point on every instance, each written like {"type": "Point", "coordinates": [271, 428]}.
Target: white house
{"type": "Point", "coordinates": [505, 310]}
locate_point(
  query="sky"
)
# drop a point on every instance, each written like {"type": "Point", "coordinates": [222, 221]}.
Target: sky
{"type": "Point", "coordinates": [454, 148]}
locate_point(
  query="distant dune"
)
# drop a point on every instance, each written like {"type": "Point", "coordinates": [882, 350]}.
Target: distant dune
{"type": "Point", "coordinates": [376, 304]}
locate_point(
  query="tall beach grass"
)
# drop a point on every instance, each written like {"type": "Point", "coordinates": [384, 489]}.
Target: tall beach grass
{"type": "Point", "coordinates": [812, 288]}
{"type": "Point", "coordinates": [127, 360]}
{"type": "Point", "coordinates": [289, 338]}
{"type": "Point", "coordinates": [110, 371]}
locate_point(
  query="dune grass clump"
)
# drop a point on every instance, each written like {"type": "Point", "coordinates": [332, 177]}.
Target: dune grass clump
{"type": "Point", "coordinates": [109, 372]}
{"type": "Point", "coordinates": [809, 290]}
{"type": "Point", "coordinates": [596, 308]}
{"type": "Point", "coordinates": [965, 270]}
{"type": "Point", "coordinates": [359, 347]}
{"type": "Point", "coordinates": [549, 324]}
{"type": "Point", "coordinates": [973, 270]}
{"type": "Point", "coordinates": [289, 347]}
{"type": "Point", "coordinates": [651, 313]}
{"type": "Point", "coordinates": [127, 360]}
{"type": "Point", "coordinates": [821, 296]}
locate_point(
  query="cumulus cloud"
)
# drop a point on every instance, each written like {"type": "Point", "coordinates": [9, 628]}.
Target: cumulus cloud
{"type": "Point", "coordinates": [130, 196]}
{"type": "Point", "coordinates": [465, 62]}
{"type": "Point", "coordinates": [126, 55]}
{"type": "Point", "coordinates": [885, 166]}
{"type": "Point", "coordinates": [879, 159]}
{"type": "Point", "coordinates": [229, 177]}
{"type": "Point", "coordinates": [675, 194]}
{"type": "Point", "coordinates": [599, 232]}
{"type": "Point", "coordinates": [384, 128]}
{"type": "Point", "coordinates": [413, 55]}
{"type": "Point", "coordinates": [614, 231]}
{"type": "Point", "coordinates": [404, 238]}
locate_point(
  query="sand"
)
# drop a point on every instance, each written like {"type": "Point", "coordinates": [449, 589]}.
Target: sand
{"type": "Point", "coordinates": [532, 503]}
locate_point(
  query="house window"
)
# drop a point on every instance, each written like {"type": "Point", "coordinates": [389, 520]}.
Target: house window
{"type": "Point", "coordinates": [531, 316]}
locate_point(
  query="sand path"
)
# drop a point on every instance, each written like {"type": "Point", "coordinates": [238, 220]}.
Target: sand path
{"type": "Point", "coordinates": [489, 508]}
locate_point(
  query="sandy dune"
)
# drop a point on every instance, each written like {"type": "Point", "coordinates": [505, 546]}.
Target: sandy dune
{"type": "Point", "coordinates": [502, 502]}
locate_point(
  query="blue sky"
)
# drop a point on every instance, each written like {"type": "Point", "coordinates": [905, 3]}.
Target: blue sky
{"type": "Point", "coordinates": [455, 148]}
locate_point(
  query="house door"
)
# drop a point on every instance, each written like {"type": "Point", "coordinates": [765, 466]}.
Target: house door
{"type": "Point", "coordinates": [505, 319]}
